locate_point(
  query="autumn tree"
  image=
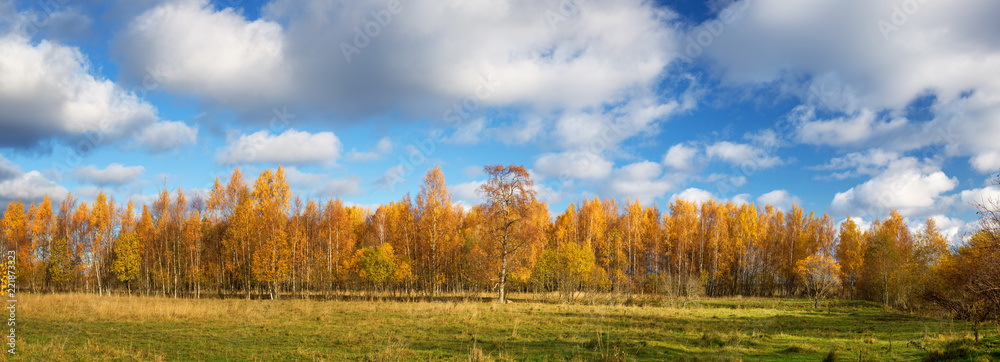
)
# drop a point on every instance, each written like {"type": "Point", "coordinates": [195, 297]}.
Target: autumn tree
{"type": "Point", "coordinates": [42, 228]}
{"type": "Point", "coordinates": [236, 206]}
{"type": "Point", "coordinates": [270, 204]}
{"type": "Point", "coordinates": [16, 235]}
{"type": "Point", "coordinates": [126, 262]}
{"type": "Point", "coordinates": [970, 278]}
{"type": "Point", "coordinates": [681, 229]}
{"type": "Point", "coordinates": [379, 265]}
{"type": "Point", "coordinates": [566, 269]}
{"type": "Point", "coordinates": [80, 237]}
{"type": "Point", "coordinates": [819, 275]}
{"type": "Point", "coordinates": [850, 255]}
{"type": "Point", "coordinates": [192, 249]}
{"type": "Point", "coordinates": [103, 226]}
{"type": "Point", "coordinates": [509, 198]}
{"type": "Point", "coordinates": [145, 235]}
{"type": "Point", "coordinates": [436, 223]}
{"type": "Point", "coordinates": [887, 256]}
{"type": "Point", "coordinates": [337, 232]}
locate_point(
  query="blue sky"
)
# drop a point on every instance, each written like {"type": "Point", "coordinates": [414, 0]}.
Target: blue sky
{"type": "Point", "coordinates": [846, 107]}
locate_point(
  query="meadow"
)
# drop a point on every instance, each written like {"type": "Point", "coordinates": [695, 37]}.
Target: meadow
{"type": "Point", "coordinates": [84, 326]}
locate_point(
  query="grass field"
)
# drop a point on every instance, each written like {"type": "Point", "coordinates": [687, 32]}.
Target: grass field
{"type": "Point", "coordinates": [72, 327]}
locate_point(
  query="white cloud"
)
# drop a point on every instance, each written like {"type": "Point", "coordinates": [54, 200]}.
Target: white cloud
{"type": "Point", "coordinates": [856, 129]}
{"type": "Point", "coordinates": [602, 130]}
{"type": "Point", "coordinates": [695, 195]}
{"type": "Point", "coordinates": [988, 161]}
{"type": "Point", "coordinates": [912, 187]}
{"type": "Point", "coordinates": [947, 48]}
{"type": "Point", "coordinates": [48, 91]}
{"type": "Point", "coordinates": [425, 57]}
{"type": "Point", "coordinates": [864, 80]}
{"type": "Point", "coordinates": [167, 135]}
{"type": "Point", "coordinates": [680, 156]}
{"type": "Point", "coordinates": [290, 146]}
{"type": "Point", "coordinates": [114, 174]}
{"type": "Point", "coordinates": [743, 155]}
{"type": "Point", "coordinates": [869, 162]}
{"type": "Point", "coordinates": [980, 196]}
{"type": "Point", "coordinates": [640, 180]}
{"type": "Point", "coordinates": [576, 165]}
{"type": "Point", "coordinates": [547, 194]}
{"type": "Point", "coordinates": [741, 199]}
{"type": "Point", "coordinates": [30, 187]}
{"type": "Point", "coordinates": [780, 199]}
{"type": "Point", "coordinates": [382, 148]}
{"type": "Point", "coordinates": [186, 46]}
{"type": "Point", "coordinates": [467, 191]}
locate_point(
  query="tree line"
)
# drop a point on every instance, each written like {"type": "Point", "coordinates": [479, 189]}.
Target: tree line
{"type": "Point", "coordinates": [261, 240]}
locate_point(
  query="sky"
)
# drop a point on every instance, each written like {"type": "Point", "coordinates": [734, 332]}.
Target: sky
{"type": "Point", "coordinates": [847, 107]}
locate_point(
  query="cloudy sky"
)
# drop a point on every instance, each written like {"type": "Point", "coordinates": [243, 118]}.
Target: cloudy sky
{"type": "Point", "coordinates": [846, 107]}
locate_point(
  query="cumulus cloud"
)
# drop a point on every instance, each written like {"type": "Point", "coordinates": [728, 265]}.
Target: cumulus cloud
{"type": "Point", "coordinates": [48, 92]}
{"type": "Point", "coordinates": [906, 184]}
{"type": "Point", "coordinates": [114, 174]}
{"type": "Point", "coordinates": [693, 194]}
{"type": "Point", "coordinates": [467, 191]}
{"type": "Point", "coordinates": [780, 199]}
{"type": "Point", "coordinates": [425, 57]}
{"type": "Point", "coordinates": [31, 186]}
{"type": "Point", "coordinates": [575, 165]}
{"type": "Point", "coordinates": [856, 129]}
{"type": "Point", "coordinates": [641, 180]}
{"type": "Point", "coordinates": [869, 162]}
{"type": "Point", "coordinates": [981, 196]}
{"type": "Point", "coordinates": [290, 146]}
{"type": "Point", "coordinates": [680, 156]}
{"type": "Point", "coordinates": [863, 79]}
{"type": "Point", "coordinates": [987, 161]}
{"type": "Point", "coordinates": [187, 46]}
{"type": "Point", "coordinates": [741, 199]}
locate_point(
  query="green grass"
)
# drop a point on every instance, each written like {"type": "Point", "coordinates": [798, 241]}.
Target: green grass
{"type": "Point", "coordinates": [72, 327]}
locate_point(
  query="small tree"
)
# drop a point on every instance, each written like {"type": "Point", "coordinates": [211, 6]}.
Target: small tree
{"type": "Point", "coordinates": [567, 270]}
{"type": "Point", "coordinates": [60, 268]}
{"type": "Point", "coordinates": [126, 259]}
{"type": "Point", "coordinates": [820, 276]}
{"type": "Point", "coordinates": [379, 266]}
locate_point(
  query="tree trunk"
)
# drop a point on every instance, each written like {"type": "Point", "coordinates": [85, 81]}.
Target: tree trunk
{"type": "Point", "coordinates": [503, 277]}
{"type": "Point", "coordinates": [100, 289]}
{"type": "Point", "coordinates": [975, 328]}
